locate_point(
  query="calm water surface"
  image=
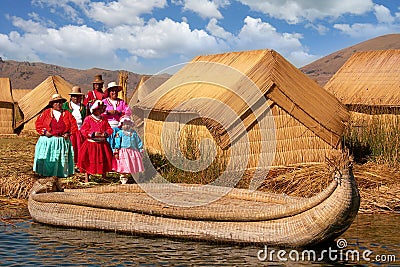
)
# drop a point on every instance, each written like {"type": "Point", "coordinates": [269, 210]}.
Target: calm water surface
{"type": "Point", "coordinates": [31, 244]}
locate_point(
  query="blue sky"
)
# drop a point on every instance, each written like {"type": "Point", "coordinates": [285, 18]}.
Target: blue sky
{"type": "Point", "coordinates": [148, 36]}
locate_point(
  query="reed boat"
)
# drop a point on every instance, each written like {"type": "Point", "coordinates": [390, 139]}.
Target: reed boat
{"type": "Point", "coordinates": [205, 213]}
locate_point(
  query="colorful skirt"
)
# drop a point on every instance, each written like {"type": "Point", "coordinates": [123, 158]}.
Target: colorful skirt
{"type": "Point", "coordinates": [54, 156]}
{"type": "Point", "coordinates": [129, 161]}
{"type": "Point", "coordinates": [95, 157]}
{"type": "Point", "coordinates": [77, 140]}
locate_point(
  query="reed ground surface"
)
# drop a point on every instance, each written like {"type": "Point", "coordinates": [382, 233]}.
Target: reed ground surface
{"type": "Point", "coordinates": [379, 184]}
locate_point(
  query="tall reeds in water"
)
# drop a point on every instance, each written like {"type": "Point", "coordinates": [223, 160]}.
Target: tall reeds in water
{"type": "Point", "coordinates": [373, 134]}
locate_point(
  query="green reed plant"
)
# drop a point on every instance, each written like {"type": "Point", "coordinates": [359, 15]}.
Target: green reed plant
{"type": "Point", "coordinates": [374, 135]}
{"type": "Point", "coordinates": [189, 148]}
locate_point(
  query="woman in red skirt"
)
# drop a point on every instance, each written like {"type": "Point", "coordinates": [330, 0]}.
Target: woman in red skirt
{"type": "Point", "coordinates": [95, 155]}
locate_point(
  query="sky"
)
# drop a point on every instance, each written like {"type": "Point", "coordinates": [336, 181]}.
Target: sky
{"type": "Point", "coordinates": [150, 36]}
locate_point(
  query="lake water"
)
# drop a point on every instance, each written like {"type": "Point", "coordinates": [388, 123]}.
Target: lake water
{"type": "Point", "coordinates": [374, 238]}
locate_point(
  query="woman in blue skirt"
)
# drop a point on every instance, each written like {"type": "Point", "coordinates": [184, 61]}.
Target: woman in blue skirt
{"type": "Point", "coordinates": [54, 155]}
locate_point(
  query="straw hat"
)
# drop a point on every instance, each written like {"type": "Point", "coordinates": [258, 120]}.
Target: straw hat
{"type": "Point", "coordinates": [56, 97]}
{"type": "Point", "coordinates": [113, 85]}
{"type": "Point", "coordinates": [98, 79]}
{"type": "Point", "coordinates": [76, 90]}
{"type": "Point", "coordinates": [97, 104]}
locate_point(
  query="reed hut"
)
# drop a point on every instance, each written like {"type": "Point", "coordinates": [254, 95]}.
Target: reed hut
{"type": "Point", "coordinates": [369, 85]}
{"type": "Point", "coordinates": [6, 107]}
{"type": "Point", "coordinates": [255, 102]}
{"type": "Point", "coordinates": [19, 116]}
{"type": "Point", "coordinates": [37, 99]}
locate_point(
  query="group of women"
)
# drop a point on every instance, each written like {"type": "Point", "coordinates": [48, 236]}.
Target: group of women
{"type": "Point", "coordinates": [94, 136]}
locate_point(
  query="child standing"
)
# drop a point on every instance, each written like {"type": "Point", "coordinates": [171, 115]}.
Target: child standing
{"type": "Point", "coordinates": [95, 155]}
{"type": "Point", "coordinates": [128, 149]}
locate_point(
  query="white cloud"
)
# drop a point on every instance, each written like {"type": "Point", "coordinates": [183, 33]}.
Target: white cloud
{"type": "Point", "coordinates": [65, 5]}
{"type": "Point", "coordinates": [160, 38]}
{"type": "Point", "coordinates": [83, 47]}
{"type": "Point", "coordinates": [386, 24]}
{"type": "Point", "coordinates": [110, 13]}
{"type": "Point", "coordinates": [204, 8]}
{"type": "Point", "coordinates": [321, 29]}
{"type": "Point", "coordinates": [11, 49]}
{"type": "Point", "coordinates": [295, 11]}
{"type": "Point", "coordinates": [122, 12]}
{"type": "Point", "coordinates": [383, 15]}
{"type": "Point", "coordinates": [257, 34]}
{"type": "Point", "coordinates": [366, 30]}
{"type": "Point", "coordinates": [218, 31]}
{"type": "Point", "coordinates": [28, 26]}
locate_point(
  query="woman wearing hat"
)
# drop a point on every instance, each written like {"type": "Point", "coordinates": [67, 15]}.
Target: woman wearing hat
{"type": "Point", "coordinates": [95, 155]}
{"type": "Point", "coordinates": [54, 155]}
{"type": "Point", "coordinates": [116, 108]}
{"type": "Point", "coordinates": [78, 110]}
{"type": "Point", "coordinates": [96, 93]}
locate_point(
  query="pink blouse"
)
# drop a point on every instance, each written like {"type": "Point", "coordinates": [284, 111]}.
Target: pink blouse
{"type": "Point", "coordinates": [120, 105]}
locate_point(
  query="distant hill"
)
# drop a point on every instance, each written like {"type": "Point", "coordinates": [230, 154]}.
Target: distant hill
{"type": "Point", "coordinates": [323, 69]}
{"type": "Point", "coordinates": [27, 75]}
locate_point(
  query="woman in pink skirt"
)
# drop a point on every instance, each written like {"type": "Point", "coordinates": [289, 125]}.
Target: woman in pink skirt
{"type": "Point", "coordinates": [128, 149]}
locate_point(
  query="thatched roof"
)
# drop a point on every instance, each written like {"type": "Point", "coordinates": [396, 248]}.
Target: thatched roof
{"type": "Point", "coordinates": [146, 85]}
{"type": "Point", "coordinates": [5, 91]}
{"type": "Point", "coordinates": [279, 81]}
{"type": "Point", "coordinates": [6, 107]}
{"type": "Point", "coordinates": [19, 93]}
{"type": "Point", "coordinates": [369, 79]}
{"type": "Point", "coordinates": [35, 101]}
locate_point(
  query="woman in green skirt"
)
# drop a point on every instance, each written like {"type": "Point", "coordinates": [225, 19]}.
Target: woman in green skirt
{"type": "Point", "coordinates": [54, 155]}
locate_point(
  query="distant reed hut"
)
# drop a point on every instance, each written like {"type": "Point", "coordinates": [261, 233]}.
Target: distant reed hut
{"type": "Point", "coordinates": [31, 104]}
{"type": "Point", "coordinates": [18, 116]}
{"type": "Point", "coordinates": [6, 107]}
{"type": "Point", "coordinates": [369, 85]}
{"type": "Point", "coordinates": [307, 121]}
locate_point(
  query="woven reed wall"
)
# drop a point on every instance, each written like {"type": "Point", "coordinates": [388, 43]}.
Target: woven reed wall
{"type": "Point", "coordinates": [6, 107]}
{"type": "Point", "coordinates": [296, 143]}
{"type": "Point", "coordinates": [6, 118]}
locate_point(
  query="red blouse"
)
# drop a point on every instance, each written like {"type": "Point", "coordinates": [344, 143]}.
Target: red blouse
{"type": "Point", "coordinates": [92, 96]}
{"type": "Point", "coordinates": [44, 122]}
